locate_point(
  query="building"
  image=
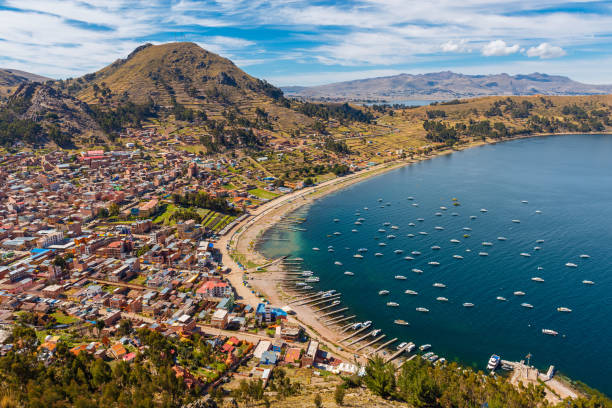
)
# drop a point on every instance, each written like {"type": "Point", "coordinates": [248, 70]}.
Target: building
{"type": "Point", "coordinates": [215, 288]}
{"type": "Point", "coordinates": [219, 319]}
{"type": "Point", "coordinates": [311, 353]}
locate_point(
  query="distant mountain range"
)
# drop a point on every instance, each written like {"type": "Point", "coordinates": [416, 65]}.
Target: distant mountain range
{"type": "Point", "coordinates": [446, 85]}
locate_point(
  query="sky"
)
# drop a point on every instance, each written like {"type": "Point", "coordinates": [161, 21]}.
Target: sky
{"type": "Point", "coordinates": [301, 42]}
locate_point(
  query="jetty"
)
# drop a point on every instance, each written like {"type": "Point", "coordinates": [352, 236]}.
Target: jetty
{"type": "Point", "coordinates": [328, 307]}
{"type": "Point", "coordinates": [397, 353]}
{"type": "Point", "coordinates": [357, 340]}
{"type": "Point", "coordinates": [334, 312]}
{"type": "Point", "coordinates": [382, 346]}
{"type": "Point", "coordinates": [355, 333]}
{"type": "Point", "coordinates": [317, 301]}
{"type": "Point", "coordinates": [376, 340]}
{"type": "Point", "coordinates": [338, 319]}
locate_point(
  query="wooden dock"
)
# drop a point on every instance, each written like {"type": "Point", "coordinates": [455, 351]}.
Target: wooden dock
{"type": "Point", "coordinates": [376, 340]}
{"type": "Point", "coordinates": [382, 346]}
{"type": "Point", "coordinates": [355, 333]}
{"type": "Point", "coordinates": [397, 353]}
{"type": "Point", "coordinates": [333, 312]}
{"type": "Point", "coordinates": [358, 339]}
{"type": "Point", "coordinates": [324, 300]}
{"type": "Point", "coordinates": [339, 319]}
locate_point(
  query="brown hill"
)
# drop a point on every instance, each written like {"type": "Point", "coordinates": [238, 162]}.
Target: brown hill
{"type": "Point", "coordinates": [10, 79]}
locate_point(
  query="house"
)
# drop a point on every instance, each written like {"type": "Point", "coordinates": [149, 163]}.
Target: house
{"type": "Point", "coordinates": [219, 319]}
{"type": "Point", "coordinates": [215, 288]}
{"type": "Point", "coordinates": [268, 358]}
{"type": "Point", "coordinates": [262, 346]}
{"type": "Point", "coordinates": [292, 356]}
{"type": "Point", "coordinates": [311, 353]}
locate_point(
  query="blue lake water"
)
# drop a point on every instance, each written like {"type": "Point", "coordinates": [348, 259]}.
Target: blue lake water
{"type": "Point", "coordinates": [567, 178]}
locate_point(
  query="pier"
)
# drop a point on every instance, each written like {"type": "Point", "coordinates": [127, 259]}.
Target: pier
{"type": "Point", "coordinates": [338, 319]}
{"type": "Point", "coordinates": [357, 340]}
{"type": "Point", "coordinates": [397, 353]}
{"type": "Point", "coordinates": [376, 340]}
{"type": "Point", "coordinates": [382, 346]}
{"type": "Point", "coordinates": [316, 301]}
{"type": "Point", "coordinates": [355, 333]}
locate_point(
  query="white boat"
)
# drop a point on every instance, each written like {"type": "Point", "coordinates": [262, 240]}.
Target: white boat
{"type": "Point", "coordinates": [381, 230]}
{"type": "Point", "coordinates": [401, 322]}
{"type": "Point", "coordinates": [455, 241]}
{"type": "Point", "coordinates": [382, 244]}
{"type": "Point", "coordinates": [527, 305]}
{"type": "Point", "coordinates": [415, 253]}
{"type": "Point", "coordinates": [415, 205]}
{"type": "Point", "coordinates": [401, 345]}
{"type": "Point", "coordinates": [564, 310]}
{"type": "Point", "coordinates": [412, 224]}
{"type": "Point", "coordinates": [438, 214]}
{"type": "Point", "coordinates": [493, 362]}
{"type": "Point", "coordinates": [483, 253]}
{"type": "Point", "coordinates": [315, 249]}
{"type": "Point", "coordinates": [300, 283]}
{"type": "Point", "coordinates": [336, 220]}
{"type": "Point", "coordinates": [392, 304]}
{"type": "Point", "coordinates": [337, 233]}
{"type": "Point", "coordinates": [538, 212]}
{"type": "Point", "coordinates": [386, 223]}
{"type": "Point", "coordinates": [378, 254]}
{"type": "Point", "coordinates": [410, 198]}
{"type": "Point", "coordinates": [439, 228]}
{"type": "Point", "coordinates": [585, 256]}
{"type": "Point", "coordinates": [525, 254]}
{"type": "Point", "coordinates": [398, 251]}
{"type": "Point", "coordinates": [483, 210]}
{"type": "Point", "coordinates": [400, 277]}
{"type": "Point", "coordinates": [375, 332]}
{"type": "Point", "coordinates": [411, 292]}
{"type": "Point", "coordinates": [330, 250]}
{"type": "Point", "coordinates": [425, 347]}
{"type": "Point", "coordinates": [366, 208]}
{"type": "Point", "coordinates": [519, 293]}
{"type": "Point", "coordinates": [380, 200]}
{"type": "Point", "coordinates": [356, 326]}
{"type": "Point", "coordinates": [362, 250]}
{"type": "Point", "coordinates": [357, 223]}
{"type": "Point", "coordinates": [540, 268]}
{"type": "Point", "coordinates": [457, 257]}
{"type": "Point", "coordinates": [435, 247]}
{"type": "Point", "coordinates": [525, 202]}
{"type": "Point", "coordinates": [502, 238]}
{"type": "Point", "coordinates": [455, 214]}
{"type": "Point", "coordinates": [571, 265]}
{"type": "Point", "coordinates": [312, 279]}
{"type": "Point", "coordinates": [338, 263]}
{"type": "Point", "coordinates": [434, 263]}
{"type": "Point", "coordinates": [537, 279]}
{"type": "Point", "coordinates": [422, 310]}
{"type": "Point", "coordinates": [487, 244]}
{"type": "Point", "coordinates": [468, 304]}
{"type": "Point", "coordinates": [349, 273]}
{"type": "Point", "coordinates": [443, 208]}
{"type": "Point", "coordinates": [588, 282]}
{"type": "Point", "coordinates": [420, 219]}
{"type": "Point", "coordinates": [537, 248]}
{"type": "Point", "coordinates": [394, 227]}
{"type": "Point", "coordinates": [501, 298]}
{"type": "Point", "coordinates": [354, 230]}
{"type": "Point", "coordinates": [410, 235]}
{"type": "Point", "coordinates": [472, 217]}
{"type": "Point", "coordinates": [539, 241]}
{"type": "Point", "coordinates": [307, 273]}
{"type": "Point", "coordinates": [361, 219]}
{"type": "Point", "coordinates": [409, 258]}
{"type": "Point", "coordinates": [549, 332]}
{"type": "Point", "coordinates": [423, 233]}
{"type": "Point", "coordinates": [383, 292]}
{"type": "Point", "coordinates": [441, 299]}
{"type": "Point", "coordinates": [367, 323]}
{"type": "Point", "coordinates": [516, 221]}
{"type": "Point", "coordinates": [390, 236]}
{"type": "Point", "coordinates": [415, 270]}
{"type": "Point", "coordinates": [307, 287]}
{"type": "Point", "coordinates": [467, 229]}
{"type": "Point", "coordinates": [358, 256]}
{"type": "Point", "coordinates": [439, 285]}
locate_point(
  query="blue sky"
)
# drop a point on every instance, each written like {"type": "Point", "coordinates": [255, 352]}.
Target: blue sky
{"type": "Point", "coordinates": [299, 42]}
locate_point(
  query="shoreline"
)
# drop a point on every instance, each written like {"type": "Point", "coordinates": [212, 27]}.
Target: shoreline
{"type": "Point", "coordinates": [241, 241]}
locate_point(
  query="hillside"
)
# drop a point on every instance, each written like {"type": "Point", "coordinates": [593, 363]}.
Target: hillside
{"type": "Point", "coordinates": [447, 85]}
{"type": "Point", "coordinates": [11, 78]}
{"type": "Point", "coordinates": [182, 73]}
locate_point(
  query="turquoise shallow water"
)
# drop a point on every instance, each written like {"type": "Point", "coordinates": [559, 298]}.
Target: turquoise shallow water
{"type": "Point", "coordinates": [567, 178]}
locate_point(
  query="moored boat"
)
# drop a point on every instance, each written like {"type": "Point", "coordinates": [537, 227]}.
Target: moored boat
{"type": "Point", "coordinates": [383, 292]}
{"type": "Point", "coordinates": [564, 310]}
{"type": "Point", "coordinates": [392, 304]}
{"type": "Point", "coordinates": [422, 309]}
{"type": "Point", "coordinates": [549, 332]}
{"type": "Point", "coordinates": [401, 322]}
{"type": "Point", "coordinates": [400, 277]}
{"type": "Point", "coordinates": [527, 305]}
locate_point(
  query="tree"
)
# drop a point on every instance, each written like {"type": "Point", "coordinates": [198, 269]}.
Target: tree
{"type": "Point", "coordinates": [380, 377]}
{"type": "Point", "coordinates": [113, 210]}
{"type": "Point", "coordinates": [317, 401]}
{"type": "Point", "coordinates": [339, 394]}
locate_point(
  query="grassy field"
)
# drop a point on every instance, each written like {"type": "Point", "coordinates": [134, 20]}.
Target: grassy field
{"type": "Point", "coordinates": [261, 193]}
{"type": "Point", "coordinates": [61, 318]}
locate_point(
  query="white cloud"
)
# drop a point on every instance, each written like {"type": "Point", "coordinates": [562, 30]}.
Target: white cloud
{"type": "Point", "coordinates": [455, 46]}
{"type": "Point", "coordinates": [499, 48]}
{"type": "Point", "coordinates": [545, 50]}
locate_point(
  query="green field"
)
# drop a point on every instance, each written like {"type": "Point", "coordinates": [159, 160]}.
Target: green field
{"type": "Point", "coordinates": [261, 193]}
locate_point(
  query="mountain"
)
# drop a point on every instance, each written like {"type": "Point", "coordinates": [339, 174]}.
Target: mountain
{"type": "Point", "coordinates": [447, 85]}
{"type": "Point", "coordinates": [11, 78]}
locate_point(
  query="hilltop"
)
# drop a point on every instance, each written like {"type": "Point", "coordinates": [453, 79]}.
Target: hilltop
{"type": "Point", "coordinates": [10, 79]}
{"type": "Point", "coordinates": [447, 85]}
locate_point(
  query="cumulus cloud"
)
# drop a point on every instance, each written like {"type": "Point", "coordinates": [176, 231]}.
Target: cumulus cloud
{"type": "Point", "coordinates": [499, 48]}
{"type": "Point", "coordinates": [546, 50]}
{"type": "Point", "coordinates": [455, 46]}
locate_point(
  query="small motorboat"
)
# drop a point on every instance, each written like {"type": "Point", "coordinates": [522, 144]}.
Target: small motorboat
{"type": "Point", "coordinates": [457, 257]}
{"type": "Point", "coordinates": [411, 292]}
{"type": "Point", "coordinates": [564, 310]}
{"type": "Point", "coordinates": [527, 305]}
{"type": "Point", "coordinates": [519, 293]}
{"type": "Point", "coordinates": [571, 265]}
{"type": "Point", "coordinates": [422, 309]}
{"type": "Point", "coordinates": [401, 322]}
{"type": "Point", "coordinates": [338, 263]}
{"type": "Point", "coordinates": [537, 279]}
{"type": "Point", "coordinates": [434, 263]}
{"type": "Point", "coordinates": [483, 254]}
{"type": "Point", "coordinates": [501, 298]}
{"type": "Point", "coordinates": [439, 285]}
{"type": "Point", "coordinates": [441, 299]}
{"type": "Point", "coordinates": [415, 270]}
{"type": "Point", "coordinates": [588, 282]}
{"type": "Point", "coordinates": [468, 304]}
{"type": "Point", "coordinates": [349, 273]}
{"type": "Point", "coordinates": [400, 277]}
{"type": "Point", "coordinates": [392, 304]}
{"type": "Point", "coordinates": [383, 292]}
{"type": "Point", "coordinates": [409, 258]}
{"type": "Point", "coordinates": [549, 332]}
{"type": "Point", "coordinates": [502, 238]}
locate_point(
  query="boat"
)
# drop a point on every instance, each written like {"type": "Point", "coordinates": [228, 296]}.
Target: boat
{"type": "Point", "coordinates": [358, 256]}
{"type": "Point", "coordinates": [564, 310]}
{"type": "Point", "coordinates": [420, 219]}
{"type": "Point", "coordinates": [483, 210]}
{"type": "Point", "coordinates": [443, 208]}
{"type": "Point", "coordinates": [549, 332]}
{"type": "Point", "coordinates": [354, 230]}
{"type": "Point", "coordinates": [519, 293]}
{"type": "Point", "coordinates": [540, 268]}
{"type": "Point", "coordinates": [438, 214]}
{"type": "Point", "coordinates": [466, 235]}
{"type": "Point", "coordinates": [394, 227]}
{"type": "Point", "coordinates": [538, 212]}
{"type": "Point", "coordinates": [349, 273]}
{"type": "Point", "coordinates": [383, 292]}
{"type": "Point", "coordinates": [366, 208]}
{"type": "Point", "coordinates": [382, 244]}
{"type": "Point", "coordinates": [472, 217]}
{"type": "Point", "coordinates": [440, 361]}
{"type": "Point", "coordinates": [433, 358]}
{"type": "Point", "coordinates": [356, 326]}
{"type": "Point", "coordinates": [337, 233]}
{"type": "Point", "coordinates": [516, 221]}
{"type": "Point", "coordinates": [537, 248]}
{"type": "Point", "coordinates": [423, 233]}
{"type": "Point", "coordinates": [435, 247]}
{"type": "Point", "coordinates": [401, 345]}
{"type": "Point", "coordinates": [467, 229]}
{"type": "Point", "coordinates": [401, 322]}
{"type": "Point", "coordinates": [410, 235]}
{"type": "Point", "coordinates": [483, 253]}
{"type": "Point", "coordinates": [415, 205]}
{"type": "Point", "coordinates": [537, 279]}
{"type": "Point", "coordinates": [441, 299]}
{"type": "Point", "coordinates": [386, 223]}
{"type": "Point", "coordinates": [487, 244]}
{"type": "Point", "coordinates": [502, 238]}
{"type": "Point", "coordinates": [335, 303]}
{"type": "Point", "coordinates": [494, 362]}
{"type": "Point", "coordinates": [375, 332]}
{"type": "Point", "coordinates": [312, 279]}
{"type": "Point", "coordinates": [409, 258]}
{"type": "Point", "coordinates": [410, 198]}
{"type": "Point", "coordinates": [426, 356]}
{"type": "Point", "coordinates": [300, 283]}
{"type": "Point", "coordinates": [588, 282]}
{"type": "Point", "coordinates": [307, 273]}
{"type": "Point", "coordinates": [381, 230]}
{"type": "Point", "coordinates": [415, 270]}
{"type": "Point", "coordinates": [391, 236]}
{"type": "Point", "coordinates": [400, 277]}
{"type": "Point", "coordinates": [425, 347]}
{"type": "Point", "coordinates": [422, 310]}
{"type": "Point", "coordinates": [398, 251]}
{"type": "Point", "coordinates": [455, 241]}
{"type": "Point", "coordinates": [307, 287]}
{"type": "Point", "coordinates": [361, 219]}
{"type": "Point", "coordinates": [412, 224]}
{"type": "Point", "coordinates": [585, 256]}
{"type": "Point", "coordinates": [367, 323]}
{"type": "Point", "coordinates": [415, 253]}
{"type": "Point", "coordinates": [468, 304]}
{"type": "Point", "coordinates": [503, 299]}
{"type": "Point", "coordinates": [392, 304]}
{"type": "Point", "coordinates": [571, 265]}
{"type": "Point", "coordinates": [362, 250]}
{"type": "Point", "coordinates": [411, 292]}
{"type": "Point", "coordinates": [380, 200]}
{"type": "Point", "coordinates": [357, 223]}
{"type": "Point", "coordinates": [315, 249]}
{"type": "Point", "coordinates": [336, 220]}
{"type": "Point", "coordinates": [439, 228]}
{"type": "Point", "coordinates": [433, 263]}
{"type": "Point", "coordinates": [525, 254]}
{"type": "Point", "coordinates": [527, 305]}
{"type": "Point", "coordinates": [378, 254]}
{"type": "Point", "coordinates": [330, 250]}
{"type": "Point", "coordinates": [457, 257]}
{"type": "Point", "coordinates": [539, 241]}
{"type": "Point", "coordinates": [411, 346]}
{"type": "Point", "coordinates": [338, 263]}
{"type": "Point", "coordinates": [525, 202]}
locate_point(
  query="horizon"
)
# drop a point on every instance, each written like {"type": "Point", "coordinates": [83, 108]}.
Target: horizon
{"type": "Point", "coordinates": [306, 43]}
